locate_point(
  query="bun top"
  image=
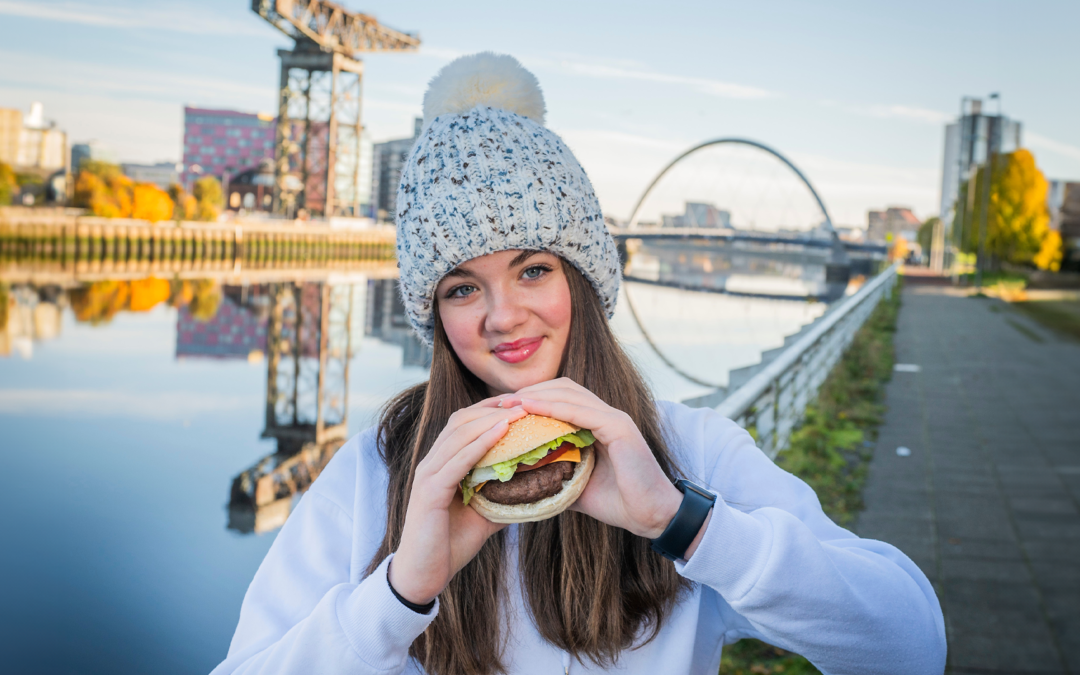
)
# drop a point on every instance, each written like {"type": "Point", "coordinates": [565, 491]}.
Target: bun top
{"type": "Point", "coordinates": [523, 435]}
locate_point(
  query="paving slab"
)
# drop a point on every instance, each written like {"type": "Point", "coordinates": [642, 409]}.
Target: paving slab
{"type": "Point", "coordinates": [988, 502]}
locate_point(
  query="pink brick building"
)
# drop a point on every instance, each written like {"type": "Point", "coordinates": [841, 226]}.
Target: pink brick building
{"type": "Point", "coordinates": [220, 141]}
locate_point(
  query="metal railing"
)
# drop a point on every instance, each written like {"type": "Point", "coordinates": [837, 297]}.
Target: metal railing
{"type": "Point", "coordinates": [771, 404]}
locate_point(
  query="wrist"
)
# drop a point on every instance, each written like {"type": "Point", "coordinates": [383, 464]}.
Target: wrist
{"type": "Point", "coordinates": [664, 512]}
{"type": "Point", "coordinates": [401, 587]}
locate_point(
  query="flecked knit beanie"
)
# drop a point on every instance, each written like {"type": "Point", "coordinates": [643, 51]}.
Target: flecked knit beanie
{"type": "Point", "coordinates": [485, 176]}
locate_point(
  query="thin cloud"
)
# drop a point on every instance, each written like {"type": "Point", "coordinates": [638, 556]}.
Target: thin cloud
{"type": "Point", "coordinates": [167, 17]}
{"type": "Point", "coordinates": [702, 85]}
{"type": "Point", "coordinates": [925, 115]}
{"type": "Point", "coordinates": [895, 111]}
{"type": "Point", "coordinates": [1057, 147]}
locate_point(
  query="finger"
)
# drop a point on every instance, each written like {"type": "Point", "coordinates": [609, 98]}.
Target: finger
{"type": "Point", "coordinates": [576, 396]}
{"type": "Point", "coordinates": [493, 402]}
{"type": "Point", "coordinates": [468, 433]}
{"type": "Point", "coordinates": [558, 383]}
{"type": "Point", "coordinates": [456, 468]}
{"type": "Point", "coordinates": [463, 417]}
{"type": "Point", "coordinates": [578, 415]}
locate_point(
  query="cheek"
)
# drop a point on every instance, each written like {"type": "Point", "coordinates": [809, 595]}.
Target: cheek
{"type": "Point", "coordinates": [462, 327]}
{"type": "Point", "coordinates": [555, 311]}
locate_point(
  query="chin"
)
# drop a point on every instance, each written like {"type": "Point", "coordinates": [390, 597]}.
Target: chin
{"type": "Point", "coordinates": [515, 380]}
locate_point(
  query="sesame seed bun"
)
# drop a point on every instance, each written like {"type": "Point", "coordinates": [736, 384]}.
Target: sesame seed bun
{"type": "Point", "coordinates": [525, 434]}
{"type": "Point", "coordinates": [547, 507]}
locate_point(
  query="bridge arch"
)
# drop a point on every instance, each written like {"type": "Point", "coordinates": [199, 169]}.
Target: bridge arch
{"type": "Point", "coordinates": [632, 223]}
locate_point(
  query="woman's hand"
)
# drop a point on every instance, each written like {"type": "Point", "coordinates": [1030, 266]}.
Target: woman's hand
{"type": "Point", "coordinates": [441, 534]}
{"type": "Point", "coordinates": [628, 489]}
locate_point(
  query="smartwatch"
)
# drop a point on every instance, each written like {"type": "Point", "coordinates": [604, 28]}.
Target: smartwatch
{"type": "Point", "coordinates": [680, 532]}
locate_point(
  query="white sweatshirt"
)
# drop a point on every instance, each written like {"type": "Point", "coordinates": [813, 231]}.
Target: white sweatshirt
{"type": "Point", "coordinates": [770, 566]}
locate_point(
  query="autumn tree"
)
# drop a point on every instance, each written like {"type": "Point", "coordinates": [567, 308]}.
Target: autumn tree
{"type": "Point", "coordinates": [185, 207]}
{"type": "Point", "coordinates": [100, 301]}
{"type": "Point", "coordinates": [148, 293]}
{"type": "Point", "coordinates": [8, 184]}
{"type": "Point", "coordinates": [149, 202]}
{"type": "Point", "coordinates": [205, 301]}
{"type": "Point", "coordinates": [104, 190]}
{"type": "Point", "coordinates": [209, 197]}
{"type": "Point", "coordinates": [1018, 220]}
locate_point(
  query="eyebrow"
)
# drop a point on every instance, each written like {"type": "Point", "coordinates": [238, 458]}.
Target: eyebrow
{"type": "Point", "coordinates": [518, 259]}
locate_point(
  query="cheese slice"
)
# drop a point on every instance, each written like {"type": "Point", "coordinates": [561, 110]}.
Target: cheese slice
{"type": "Point", "coordinates": [570, 456]}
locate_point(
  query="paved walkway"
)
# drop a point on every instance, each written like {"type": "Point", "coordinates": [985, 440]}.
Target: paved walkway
{"type": "Point", "coordinates": [988, 501]}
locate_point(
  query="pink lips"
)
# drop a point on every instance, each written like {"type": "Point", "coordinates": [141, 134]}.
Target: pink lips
{"type": "Point", "coordinates": [518, 351]}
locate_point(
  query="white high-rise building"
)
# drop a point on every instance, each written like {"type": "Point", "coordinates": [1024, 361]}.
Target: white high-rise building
{"type": "Point", "coordinates": [965, 150]}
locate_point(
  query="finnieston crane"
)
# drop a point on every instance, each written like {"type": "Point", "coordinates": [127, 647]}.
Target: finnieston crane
{"type": "Point", "coordinates": [317, 151]}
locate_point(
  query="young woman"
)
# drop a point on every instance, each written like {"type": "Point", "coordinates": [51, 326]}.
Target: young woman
{"type": "Point", "coordinates": [508, 270]}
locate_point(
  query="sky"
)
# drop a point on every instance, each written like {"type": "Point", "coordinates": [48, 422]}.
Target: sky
{"type": "Point", "coordinates": [856, 94]}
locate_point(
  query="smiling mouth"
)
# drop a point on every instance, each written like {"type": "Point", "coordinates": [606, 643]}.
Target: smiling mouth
{"type": "Point", "coordinates": [519, 350]}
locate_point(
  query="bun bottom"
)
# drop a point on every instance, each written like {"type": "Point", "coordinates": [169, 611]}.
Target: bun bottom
{"type": "Point", "coordinates": [545, 508]}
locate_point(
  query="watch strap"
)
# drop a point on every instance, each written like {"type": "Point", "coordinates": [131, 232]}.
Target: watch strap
{"type": "Point", "coordinates": [680, 532]}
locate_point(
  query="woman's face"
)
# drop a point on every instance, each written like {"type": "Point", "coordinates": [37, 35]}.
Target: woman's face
{"type": "Point", "coordinates": [507, 316]}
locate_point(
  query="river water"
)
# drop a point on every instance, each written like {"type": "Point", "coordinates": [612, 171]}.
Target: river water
{"type": "Point", "coordinates": [136, 417]}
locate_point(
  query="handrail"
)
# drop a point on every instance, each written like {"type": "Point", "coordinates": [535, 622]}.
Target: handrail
{"type": "Point", "coordinates": [815, 353]}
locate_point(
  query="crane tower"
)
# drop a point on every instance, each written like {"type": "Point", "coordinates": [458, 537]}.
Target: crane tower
{"type": "Point", "coordinates": [317, 149]}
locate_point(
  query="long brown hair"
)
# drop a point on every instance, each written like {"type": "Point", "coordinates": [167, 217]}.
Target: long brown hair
{"type": "Point", "coordinates": [593, 590]}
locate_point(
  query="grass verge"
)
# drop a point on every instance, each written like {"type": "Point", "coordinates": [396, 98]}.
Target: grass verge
{"type": "Point", "coordinates": [1060, 316]}
{"type": "Point", "coordinates": [831, 452]}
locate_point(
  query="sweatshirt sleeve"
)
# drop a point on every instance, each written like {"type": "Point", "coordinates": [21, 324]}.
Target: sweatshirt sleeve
{"type": "Point", "coordinates": [798, 580]}
{"type": "Point", "coordinates": [302, 615]}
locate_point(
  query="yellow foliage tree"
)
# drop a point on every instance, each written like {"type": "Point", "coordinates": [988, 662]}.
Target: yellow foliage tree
{"type": "Point", "coordinates": [208, 194]}
{"type": "Point", "coordinates": [8, 185]}
{"type": "Point", "coordinates": [1050, 254]}
{"type": "Point", "coordinates": [104, 190]}
{"type": "Point", "coordinates": [1018, 223]}
{"type": "Point", "coordinates": [148, 293]}
{"type": "Point", "coordinates": [151, 203]}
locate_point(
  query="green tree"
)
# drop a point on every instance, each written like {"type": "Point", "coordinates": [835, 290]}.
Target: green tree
{"type": "Point", "coordinates": [8, 186]}
{"type": "Point", "coordinates": [1018, 222]}
{"type": "Point", "coordinates": [926, 234]}
{"type": "Point", "coordinates": [185, 207]}
{"type": "Point", "coordinates": [210, 199]}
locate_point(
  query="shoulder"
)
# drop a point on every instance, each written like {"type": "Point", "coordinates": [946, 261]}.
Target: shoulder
{"type": "Point", "coordinates": [356, 465]}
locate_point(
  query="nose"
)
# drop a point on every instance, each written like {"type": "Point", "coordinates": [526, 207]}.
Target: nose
{"type": "Point", "coordinates": [505, 311]}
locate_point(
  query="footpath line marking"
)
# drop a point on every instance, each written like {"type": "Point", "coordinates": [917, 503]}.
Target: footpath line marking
{"type": "Point", "coordinates": [907, 368]}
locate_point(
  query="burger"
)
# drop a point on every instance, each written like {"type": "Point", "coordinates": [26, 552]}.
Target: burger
{"type": "Point", "coordinates": [536, 470]}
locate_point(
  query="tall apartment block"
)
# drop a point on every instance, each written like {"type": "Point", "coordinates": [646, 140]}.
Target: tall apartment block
{"type": "Point", "coordinates": [965, 150]}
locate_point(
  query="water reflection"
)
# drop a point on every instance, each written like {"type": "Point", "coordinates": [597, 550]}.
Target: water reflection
{"type": "Point", "coordinates": [696, 316]}
{"type": "Point", "coordinates": [757, 268]}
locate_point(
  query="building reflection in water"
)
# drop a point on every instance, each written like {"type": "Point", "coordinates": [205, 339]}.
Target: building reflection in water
{"type": "Point", "coordinates": [308, 332]}
{"type": "Point", "coordinates": [29, 314]}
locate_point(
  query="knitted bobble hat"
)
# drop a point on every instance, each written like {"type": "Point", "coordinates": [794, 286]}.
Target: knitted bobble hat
{"type": "Point", "coordinates": [486, 176]}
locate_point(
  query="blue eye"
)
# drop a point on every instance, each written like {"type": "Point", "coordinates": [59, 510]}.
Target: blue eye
{"type": "Point", "coordinates": [535, 272]}
{"type": "Point", "coordinates": [461, 291]}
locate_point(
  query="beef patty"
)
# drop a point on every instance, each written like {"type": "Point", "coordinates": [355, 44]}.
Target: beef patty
{"type": "Point", "coordinates": [530, 486]}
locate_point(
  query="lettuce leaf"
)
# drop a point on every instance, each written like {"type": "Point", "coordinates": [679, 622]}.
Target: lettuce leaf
{"type": "Point", "coordinates": [504, 471]}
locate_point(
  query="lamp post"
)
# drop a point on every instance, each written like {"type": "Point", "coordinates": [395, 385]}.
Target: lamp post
{"type": "Point", "coordinates": [980, 261]}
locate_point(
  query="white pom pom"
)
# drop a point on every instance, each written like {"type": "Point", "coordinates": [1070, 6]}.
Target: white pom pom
{"type": "Point", "coordinates": [488, 79]}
